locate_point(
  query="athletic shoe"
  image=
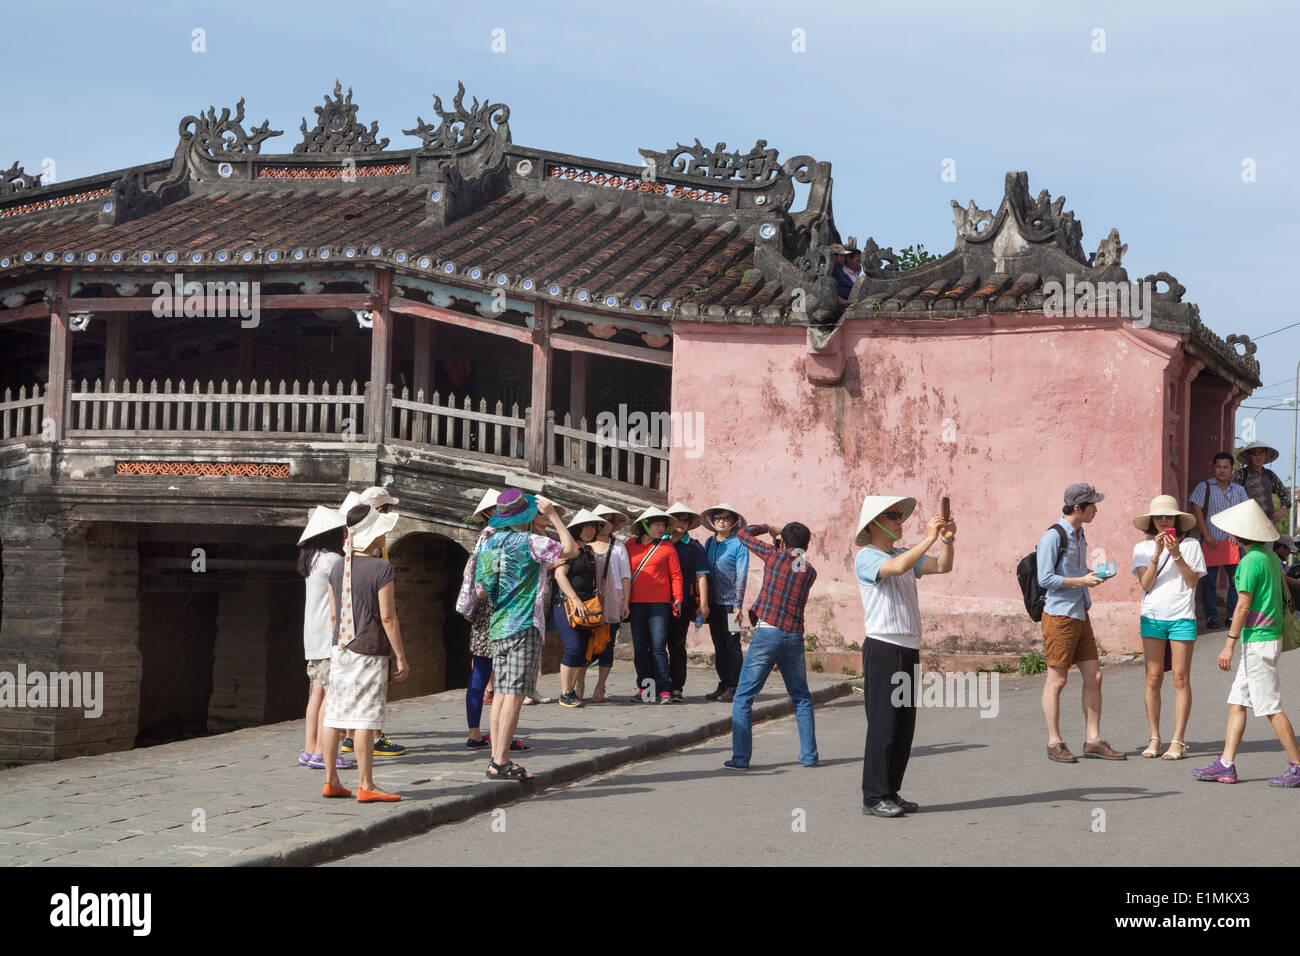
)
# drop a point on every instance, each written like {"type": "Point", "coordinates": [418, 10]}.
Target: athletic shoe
{"type": "Point", "coordinates": [346, 745]}
{"type": "Point", "coordinates": [386, 748]}
{"type": "Point", "coordinates": [907, 805]}
{"type": "Point", "coordinates": [678, 697]}
{"type": "Point", "coordinates": [1219, 772]}
{"type": "Point", "coordinates": [1213, 624]}
{"type": "Point", "coordinates": [883, 808]}
{"type": "Point", "coordinates": [340, 763]}
{"type": "Point", "coordinates": [665, 697]}
{"type": "Point", "coordinates": [736, 764]}
{"type": "Point", "coordinates": [570, 699]}
{"type": "Point", "coordinates": [1290, 778]}
{"type": "Point", "coordinates": [305, 760]}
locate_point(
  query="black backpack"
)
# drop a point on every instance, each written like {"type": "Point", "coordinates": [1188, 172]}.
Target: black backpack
{"type": "Point", "coordinates": [1027, 575]}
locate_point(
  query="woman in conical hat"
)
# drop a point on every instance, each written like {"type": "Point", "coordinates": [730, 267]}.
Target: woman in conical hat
{"type": "Point", "coordinates": [1168, 567]}
{"type": "Point", "coordinates": [1258, 624]}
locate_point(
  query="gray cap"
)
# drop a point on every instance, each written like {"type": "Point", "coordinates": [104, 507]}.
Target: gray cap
{"type": "Point", "coordinates": [1287, 540]}
{"type": "Point", "coordinates": [1082, 493]}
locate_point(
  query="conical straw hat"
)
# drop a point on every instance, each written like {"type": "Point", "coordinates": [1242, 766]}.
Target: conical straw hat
{"type": "Point", "coordinates": [680, 510]}
{"type": "Point", "coordinates": [873, 506]}
{"type": "Point", "coordinates": [489, 501]}
{"type": "Point", "coordinates": [708, 516]}
{"type": "Point", "coordinates": [322, 519]}
{"type": "Point", "coordinates": [1246, 520]}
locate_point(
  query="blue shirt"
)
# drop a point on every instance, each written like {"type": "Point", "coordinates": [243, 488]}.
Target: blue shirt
{"type": "Point", "coordinates": [1218, 500]}
{"type": "Point", "coordinates": [690, 555]}
{"type": "Point", "coordinates": [1064, 602]}
{"type": "Point", "coordinates": [728, 566]}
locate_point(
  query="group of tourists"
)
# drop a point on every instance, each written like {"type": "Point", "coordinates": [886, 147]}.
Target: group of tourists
{"type": "Point", "coordinates": [531, 570]}
{"type": "Point", "coordinates": [1231, 525]}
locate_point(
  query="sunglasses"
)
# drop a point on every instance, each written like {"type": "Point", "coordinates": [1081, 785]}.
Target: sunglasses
{"type": "Point", "coordinates": [893, 515]}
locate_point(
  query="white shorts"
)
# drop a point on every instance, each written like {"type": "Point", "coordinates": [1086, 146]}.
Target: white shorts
{"type": "Point", "coordinates": [1256, 684]}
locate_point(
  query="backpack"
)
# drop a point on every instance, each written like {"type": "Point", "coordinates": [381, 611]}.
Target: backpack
{"type": "Point", "coordinates": [1027, 575]}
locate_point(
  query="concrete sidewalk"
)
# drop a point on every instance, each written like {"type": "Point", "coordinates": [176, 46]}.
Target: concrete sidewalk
{"type": "Point", "coordinates": [241, 799]}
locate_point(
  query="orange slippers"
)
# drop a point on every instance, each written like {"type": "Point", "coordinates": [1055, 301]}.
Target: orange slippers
{"type": "Point", "coordinates": [370, 796]}
{"type": "Point", "coordinates": [329, 790]}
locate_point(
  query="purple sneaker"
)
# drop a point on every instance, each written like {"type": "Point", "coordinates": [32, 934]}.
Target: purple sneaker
{"type": "Point", "coordinates": [340, 763]}
{"type": "Point", "coordinates": [1220, 773]}
{"type": "Point", "coordinates": [1289, 779]}
{"type": "Point", "coordinates": [315, 761]}
{"type": "Point", "coordinates": [304, 760]}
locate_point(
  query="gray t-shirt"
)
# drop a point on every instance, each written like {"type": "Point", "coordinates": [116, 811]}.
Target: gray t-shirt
{"type": "Point", "coordinates": [369, 574]}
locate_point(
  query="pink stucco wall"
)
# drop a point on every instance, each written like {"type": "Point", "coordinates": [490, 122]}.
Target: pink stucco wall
{"type": "Point", "coordinates": [1000, 413]}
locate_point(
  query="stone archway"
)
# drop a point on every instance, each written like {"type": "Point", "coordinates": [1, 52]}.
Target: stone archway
{"type": "Point", "coordinates": [428, 566]}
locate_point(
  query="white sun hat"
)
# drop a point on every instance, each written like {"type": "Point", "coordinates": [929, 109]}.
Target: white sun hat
{"type": "Point", "coordinates": [377, 496]}
{"type": "Point", "coordinates": [322, 520]}
{"type": "Point", "coordinates": [708, 513]}
{"type": "Point", "coordinates": [680, 509]}
{"type": "Point", "coordinates": [363, 534]}
{"type": "Point", "coordinates": [1246, 520]}
{"type": "Point", "coordinates": [489, 501]}
{"type": "Point", "coordinates": [872, 508]}
{"type": "Point", "coordinates": [588, 517]}
{"type": "Point", "coordinates": [1165, 506]}
{"type": "Point", "coordinates": [620, 516]}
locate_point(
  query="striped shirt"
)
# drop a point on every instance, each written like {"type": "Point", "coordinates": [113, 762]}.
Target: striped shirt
{"type": "Point", "coordinates": [1219, 500]}
{"type": "Point", "coordinates": [893, 613]}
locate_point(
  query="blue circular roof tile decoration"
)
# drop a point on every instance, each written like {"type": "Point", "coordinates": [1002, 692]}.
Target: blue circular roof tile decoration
{"type": "Point", "coordinates": [400, 257]}
{"type": "Point", "coordinates": [171, 257]}
{"type": "Point", "coordinates": [247, 256]}
{"type": "Point", "coordinates": [476, 273]}
{"type": "Point", "coordinates": [528, 284]}
{"type": "Point", "coordinates": [502, 279]}
{"type": "Point", "coordinates": [555, 290]}
{"type": "Point", "coordinates": [638, 304]}
{"type": "Point", "coordinates": [297, 253]}
{"type": "Point", "coordinates": [108, 207]}
{"type": "Point", "coordinates": [272, 255]}
{"type": "Point", "coordinates": [116, 257]}
{"type": "Point", "coordinates": [435, 196]}
{"type": "Point", "coordinates": [92, 256]}
{"type": "Point", "coordinates": [68, 257]}
{"type": "Point", "coordinates": [610, 300]}
{"type": "Point", "coordinates": [582, 295]}
{"type": "Point", "coordinates": [48, 257]}
{"type": "Point", "coordinates": [425, 262]}
{"type": "Point", "coordinates": [324, 253]}
{"type": "Point", "coordinates": [350, 252]}
{"type": "Point", "coordinates": [666, 305]}
{"type": "Point", "coordinates": [197, 257]}
{"type": "Point", "coordinates": [28, 256]}
{"type": "Point", "coordinates": [222, 256]}
{"type": "Point", "coordinates": [146, 257]}
{"type": "Point", "coordinates": [375, 250]}
{"type": "Point", "coordinates": [448, 268]}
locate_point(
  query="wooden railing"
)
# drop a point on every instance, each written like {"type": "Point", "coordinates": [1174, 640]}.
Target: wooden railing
{"type": "Point", "coordinates": [579, 451]}
{"type": "Point", "coordinates": [21, 417]}
{"type": "Point", "coordinates": [495, 434]}
{"type": "Point", "coordinates": [286, 413]}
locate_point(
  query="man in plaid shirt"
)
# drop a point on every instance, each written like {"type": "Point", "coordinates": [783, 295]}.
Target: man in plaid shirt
{"type": "Point", "coordinates": [778, 637]}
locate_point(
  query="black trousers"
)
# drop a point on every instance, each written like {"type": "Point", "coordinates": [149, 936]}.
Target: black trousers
{"type": "Point", "coordinates": [678, 628]}
{"type": "Point", "coordinates": [889, 727]}
{"type": "Point", "coordinates": [727, 656]}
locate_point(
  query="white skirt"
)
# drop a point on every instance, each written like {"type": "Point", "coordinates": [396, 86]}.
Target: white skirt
{"type": "Point", "coordinates": [358, 690]}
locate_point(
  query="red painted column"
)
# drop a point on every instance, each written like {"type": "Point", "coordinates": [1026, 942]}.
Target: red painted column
{"type": "Point", "coordinates": [381, 356]}
{"type": "Point", "coordinates": [541, 391]}
{"type": "Point", "coordinates": [56, 393]}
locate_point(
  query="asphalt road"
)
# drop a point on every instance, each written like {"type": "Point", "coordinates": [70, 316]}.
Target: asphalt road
{"type": "Point", "coordinates": [989, 796]}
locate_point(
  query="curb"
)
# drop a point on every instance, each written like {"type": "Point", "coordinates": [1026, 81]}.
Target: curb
{"type": "Point", "coordinates": [412, 819]}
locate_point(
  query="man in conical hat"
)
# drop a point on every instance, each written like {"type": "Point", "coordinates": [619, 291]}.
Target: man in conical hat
{"type": "Point", "coordinates": [1258, 624]}
{"type": "Point", "coordinates": [887, 574]}
{"type": "Point", "coordinates": [1261, 483]}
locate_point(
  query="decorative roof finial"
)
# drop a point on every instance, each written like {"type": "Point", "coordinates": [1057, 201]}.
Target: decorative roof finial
{"type": "Point", "coordinates": [337, 129]}
{"type": "Point", "coordinates": [1109, 252]}
{"type": "Point", "coordinates": [15, 178]}
{"type": "Point", "coordinates": [462, 129]}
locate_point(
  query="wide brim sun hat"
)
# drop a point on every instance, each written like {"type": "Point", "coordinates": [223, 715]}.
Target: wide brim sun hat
{"type": "Point", "coordinates": [587, 517]}
{"type": "Point", "coordinates": [513, 508]}
{"type": "Point", "coordinates": [1165, 506]}
{"type": "Point", "coordinates": [489, 500]}
{"type": "Point", "coordinates": [377, 496]}
{"type": "Point", "coordinates": [1270, 453]}
{"type": "Point", "coordinates": [707, 516]}
{"type": "Point", "coordinates": [1246, 520]}
{"type": "Point", "coordinates": [873, 506]}
{"type": "Point", "coordinates": [364, 533]}
{"type": "Point", "coordinates": [322, 520]}
{"type": "Point", "coordinates": [679, 510]}
{"type": "Point", "coordinates": [620, 517]}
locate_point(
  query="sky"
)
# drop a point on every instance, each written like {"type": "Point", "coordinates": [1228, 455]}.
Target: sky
{"type": "Point", "coordinates": [1174, 122]}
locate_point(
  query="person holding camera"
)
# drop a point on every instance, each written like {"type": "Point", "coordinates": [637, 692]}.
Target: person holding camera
{"type": "Point", "coordinates": [1067, 632]}
{"type": "Point", "coordinates": [1168, 567]}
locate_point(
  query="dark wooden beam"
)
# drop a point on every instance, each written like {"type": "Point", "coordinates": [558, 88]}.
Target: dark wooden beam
{"type": "Point", "coordinates": [341, 300]}
{"type": "Point", "coordinates": [635, 353]}
{"type": "Point", "coordinates": [411, 307]}
{"type": "Point", "coordinates": [541, 391]}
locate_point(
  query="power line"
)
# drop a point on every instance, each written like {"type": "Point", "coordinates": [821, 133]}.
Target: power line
{"type": "Point", "coordinates": [1256, 338]}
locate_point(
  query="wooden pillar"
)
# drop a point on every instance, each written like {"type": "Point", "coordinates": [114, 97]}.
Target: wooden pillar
{"type": "Point", "coordinates": [541, 391]}
{"type": "Point", "coordinates": [381, 356]}
{"type": "Point", "coordinates": [422, 379]}
{"type": "Point", "coordinates": [578, 407]}
{"type": "Point", "coordinates": [246, 344]}
{"type": "Point", "coordinates": [116, 343]}
{"type": "Point", "coordinates": [56, 392]}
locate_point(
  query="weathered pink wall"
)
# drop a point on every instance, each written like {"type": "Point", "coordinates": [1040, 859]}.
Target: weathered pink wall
{"type": "Point", "coordinates": [1001, 413]}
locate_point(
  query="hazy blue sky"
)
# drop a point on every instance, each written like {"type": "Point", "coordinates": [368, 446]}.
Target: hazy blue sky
{"type": "Point", "coordinates": [1148, 136]}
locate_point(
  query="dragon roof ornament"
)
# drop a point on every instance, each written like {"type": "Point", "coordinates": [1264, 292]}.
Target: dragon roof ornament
{"type": "Point", "coordinates": [15, 178]}
{"type": "Point", "coordinates": [461, 129]}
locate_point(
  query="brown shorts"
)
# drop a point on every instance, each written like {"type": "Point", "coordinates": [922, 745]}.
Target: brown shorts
{"type": "Point", "coordinates": [1067, 641]}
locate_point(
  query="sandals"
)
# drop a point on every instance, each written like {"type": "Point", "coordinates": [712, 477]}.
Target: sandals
{"type": "Point", "coordinates": [1170, 755]}
{"type": "Point", "coordinates": [1152, 751]}
{"type": "Point", "coordinates": [598, 698]}
{"type": "Point", "coordinates": [507, 771]}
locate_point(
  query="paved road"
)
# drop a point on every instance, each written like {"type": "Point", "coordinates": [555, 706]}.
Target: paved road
{"type": "Point", "coordinates": [988, 792]}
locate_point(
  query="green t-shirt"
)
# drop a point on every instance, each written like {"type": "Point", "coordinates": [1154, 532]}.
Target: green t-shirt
{"type": "Point", "coordinates": [1260, 574]}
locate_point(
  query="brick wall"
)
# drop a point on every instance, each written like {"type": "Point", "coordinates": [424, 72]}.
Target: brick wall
{"type": "Point", "coordinates": [70, 605]}
{"type": "Point", "coordinates": [421, 565]}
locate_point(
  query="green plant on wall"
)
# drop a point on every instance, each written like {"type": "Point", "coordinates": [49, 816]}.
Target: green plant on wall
{"type": "Point", "coordinates": [913, 256]}
{"type": "Point", "coordinates": [1032, 663]}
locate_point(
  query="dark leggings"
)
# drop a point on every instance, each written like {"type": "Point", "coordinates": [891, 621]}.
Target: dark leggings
{"type": "Point", "coordinates": [575, 641]}
{"type": "Point", "coordinates": [479, 675]}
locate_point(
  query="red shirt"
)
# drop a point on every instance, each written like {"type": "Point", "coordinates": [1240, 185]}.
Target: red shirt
{"type": "Point", "coordinates": [660, 580]}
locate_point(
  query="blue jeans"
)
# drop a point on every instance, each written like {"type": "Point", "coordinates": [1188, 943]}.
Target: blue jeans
{"type": "Point", "coordinates": [772, 647]}
{"type": "Point", "coordinates": [1210, 583]}
{"type": "Point", "coordinates": [650, 625]}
